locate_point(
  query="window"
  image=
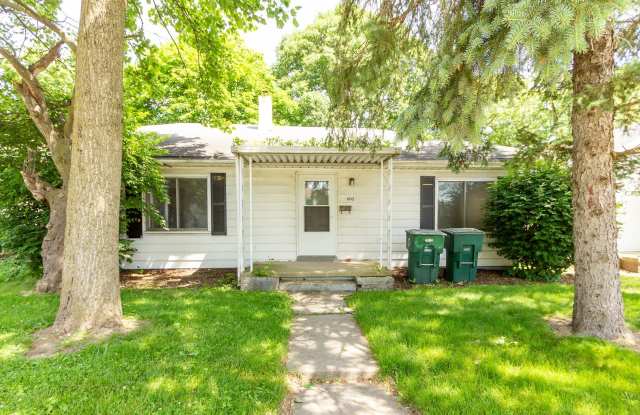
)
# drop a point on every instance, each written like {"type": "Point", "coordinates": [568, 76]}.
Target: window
{"type": "Point", "coordinates": [186, 209]}
{"type": "Point", "coordinates": [461, 204]}
{"type": "Point", "coordinates": [316, 206]}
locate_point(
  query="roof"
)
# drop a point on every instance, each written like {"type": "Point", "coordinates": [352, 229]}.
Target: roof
{"type": "Point", "coordinates": [193, 141]}
{"type": "Point", "coordinates": [197, 142]}
{"type": "Point", "coordinates": [430, 150]}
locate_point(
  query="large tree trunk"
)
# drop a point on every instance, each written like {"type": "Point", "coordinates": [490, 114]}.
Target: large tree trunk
{"type": "Point", "coordinates": [53, 243]}
{"type": "Point", "coordinates": [90, 297]}
{"type": "Point", "coordinates": [597, 307]}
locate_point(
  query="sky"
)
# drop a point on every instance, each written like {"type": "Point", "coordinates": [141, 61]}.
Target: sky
{"type": "Point", "coordinates": [264, 40]}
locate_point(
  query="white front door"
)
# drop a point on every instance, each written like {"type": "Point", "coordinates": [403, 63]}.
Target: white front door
{"type": "Point", "coordinates": [316, 215]}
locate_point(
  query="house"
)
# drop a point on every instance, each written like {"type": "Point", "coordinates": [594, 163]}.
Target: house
{"type": "Point", "coordinates": [232, 205]}
{"type": "Point", "coordinates": [628, 196]}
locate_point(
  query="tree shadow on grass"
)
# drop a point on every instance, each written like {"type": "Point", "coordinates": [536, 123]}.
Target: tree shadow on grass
{"type": "Point", "coordinates": [204, 351]}
{"type": "Point", "coordinates": [489, 350]}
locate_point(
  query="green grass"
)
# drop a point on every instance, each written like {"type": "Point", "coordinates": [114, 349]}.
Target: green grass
{"type": "Point", "coordinates": [207, 351]}
{"type": "Point", "coordinates": [488, 350]}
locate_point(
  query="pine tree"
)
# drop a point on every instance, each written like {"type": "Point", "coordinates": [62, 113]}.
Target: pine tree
{"type": "Point", "coordinates": [482, 50]}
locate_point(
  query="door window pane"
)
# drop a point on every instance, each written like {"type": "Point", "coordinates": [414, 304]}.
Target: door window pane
{"type": "Point", "coordinates": [476, 199]}
{"type": "Point", "coordinates": [450, 205]}
{"type": "Point", "coordinates": [316, 193]}
{"type": "Point", "coordinates": [316, 219]}
{"type": "Point", "coordinates": [192, 206]}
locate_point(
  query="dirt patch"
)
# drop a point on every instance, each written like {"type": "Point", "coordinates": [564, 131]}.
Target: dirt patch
{"type": "Point", "coordinates": [561, 326]}
{"type": "Point", "coordinates": [484, 277]}
{"type": "Point", "coordinates": [48, 342]}
{"type": "Point", "coordinates": [177, 278]}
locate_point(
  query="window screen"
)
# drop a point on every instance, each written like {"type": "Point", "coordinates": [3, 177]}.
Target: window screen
{"type": "Point", "coordinates": [316, 206]}
{"type": "Point", "coordinates": [451, 204]}
{"type": "Point", "coordinates": [476, 199]}
{"type": "Point", "coordinates": [186, 207]}
{"type": "Point", "coordinates": [461, 204]}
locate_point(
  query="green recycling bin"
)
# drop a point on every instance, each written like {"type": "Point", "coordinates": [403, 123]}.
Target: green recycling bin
{"type": "Point", "coordinates": [463, 246]}
{"type": "Point", "coordinates": [425, 247]}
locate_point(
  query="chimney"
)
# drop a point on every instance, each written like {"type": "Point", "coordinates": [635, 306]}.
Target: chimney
{"type": "Point", "coordinates": [265, 119]}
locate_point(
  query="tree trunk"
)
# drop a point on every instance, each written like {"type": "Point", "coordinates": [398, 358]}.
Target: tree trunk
{"type": "Point", "coordinates": [53, 243]}
{"type": "Point", "coordinates": [90, 296]}
{"type": "Point", "coordinates": [597, 307]}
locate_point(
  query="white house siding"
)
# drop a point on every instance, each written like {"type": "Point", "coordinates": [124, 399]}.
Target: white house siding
{"type": "Point", "coordinates": [188, 249]}
{"type": "Point", "coordinates": [406, 207]}
{"type": "Point", "coordinates": [274, 214]}
{"type": "Point", "coordinates": [629, 216]}
{"type": "Point", "coordinates": [275, 223]}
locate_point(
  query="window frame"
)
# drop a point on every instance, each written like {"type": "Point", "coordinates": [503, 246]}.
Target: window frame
{"type": "Point", "coordinates": [464, 207]}
{"type": "Point", "coordinates": [206, 176]}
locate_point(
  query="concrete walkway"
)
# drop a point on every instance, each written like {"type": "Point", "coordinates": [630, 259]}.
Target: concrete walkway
{"type": "Point", "coordinates": [331, 361]}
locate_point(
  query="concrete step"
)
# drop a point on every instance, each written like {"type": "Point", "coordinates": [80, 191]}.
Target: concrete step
{"type": "Point", "coordinates": [318, 285]}
{"type": "Point", "coordinates": [318, 278]}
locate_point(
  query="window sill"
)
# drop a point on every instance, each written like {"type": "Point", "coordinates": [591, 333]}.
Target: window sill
{"type": "Point", "coordinates": [177, 232]}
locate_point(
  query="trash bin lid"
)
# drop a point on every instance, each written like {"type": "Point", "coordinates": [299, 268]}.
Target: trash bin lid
{"type": "Point", "coordinates": [426, 232]}
{"type": "Point", "coordinates": [462, 231]}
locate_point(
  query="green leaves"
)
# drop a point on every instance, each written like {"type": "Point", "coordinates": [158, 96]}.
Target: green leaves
{"type": "Point", "coordinates": [529, 217]}
{"type": "Point", "coordinates": [168, 86]}
{"type": "Point", "coordinates": [479, 47]}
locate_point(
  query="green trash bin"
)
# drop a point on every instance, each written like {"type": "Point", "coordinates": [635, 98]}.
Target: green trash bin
{"type": "Point", "coordinates": [425, 247]}
{"type": "Point", "coordinates": [463, 246]}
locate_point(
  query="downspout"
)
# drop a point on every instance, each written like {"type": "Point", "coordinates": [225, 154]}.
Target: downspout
{"type": "Point", "coordinates": [381, 211]}
{"type": "Point", "coordinates": [251, 214]}
{"type": "Point", "coordinates": [239, 217]}
{"type": "Point", "coordinates": [390, 215]}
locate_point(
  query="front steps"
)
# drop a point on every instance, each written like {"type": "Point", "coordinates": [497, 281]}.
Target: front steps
{"type": "Point", "coordinates": [317, 284]}
{"type": "Point", "coordinates": [329, 284]}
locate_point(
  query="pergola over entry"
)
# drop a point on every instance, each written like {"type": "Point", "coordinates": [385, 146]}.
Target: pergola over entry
{"type": "Point", "coordinates": [305, 157]}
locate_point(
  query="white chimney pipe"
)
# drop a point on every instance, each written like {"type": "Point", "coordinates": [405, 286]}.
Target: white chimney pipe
{"type": "Point", "coordinates": [265, 117]}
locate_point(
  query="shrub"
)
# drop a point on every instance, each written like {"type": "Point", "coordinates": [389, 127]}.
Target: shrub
{"type": "Point", "coordinates": [263, 271]}
{"type": "Point", "coordinates": [529, 216]}
{"type": "Point", "coordinates": [13, 268]}
{"type": "Point", "coordinates": [23, 220]}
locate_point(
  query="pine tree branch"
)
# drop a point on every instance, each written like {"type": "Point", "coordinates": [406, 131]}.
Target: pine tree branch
{"type": "Point", "coordinates": [627, 105]}
{"type": "Point", "coordinates": [628, 32]}
{"type": "Point", "coordinates": [21, 7]}
{"type": "Point", "coordinates": [619, 155]}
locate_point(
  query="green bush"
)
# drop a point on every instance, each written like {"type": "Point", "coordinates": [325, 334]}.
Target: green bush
{"type": "Point", "coordinates": [529, 216]}
{"type": "Point", "coordinates": [13, 268]}
{"type": "Point", "coordinates": [23, 220]}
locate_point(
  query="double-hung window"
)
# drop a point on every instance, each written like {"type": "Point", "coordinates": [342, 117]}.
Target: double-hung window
{"type": "Point", "coordinates": [187, 207]}
{"type": "Point", "coordinates": [461, 204]}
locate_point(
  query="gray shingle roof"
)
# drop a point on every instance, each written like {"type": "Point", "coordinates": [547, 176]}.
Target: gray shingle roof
{"type": "Point", "coordinates": [197, 142]}
{"type": "Point", "coordinates": [430, 150]}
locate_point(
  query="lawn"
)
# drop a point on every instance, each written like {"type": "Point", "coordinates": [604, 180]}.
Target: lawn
{"type": "Point", "coordinates": [488, 350]}
{"type": "Point", "coordinates": [210, 350]}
